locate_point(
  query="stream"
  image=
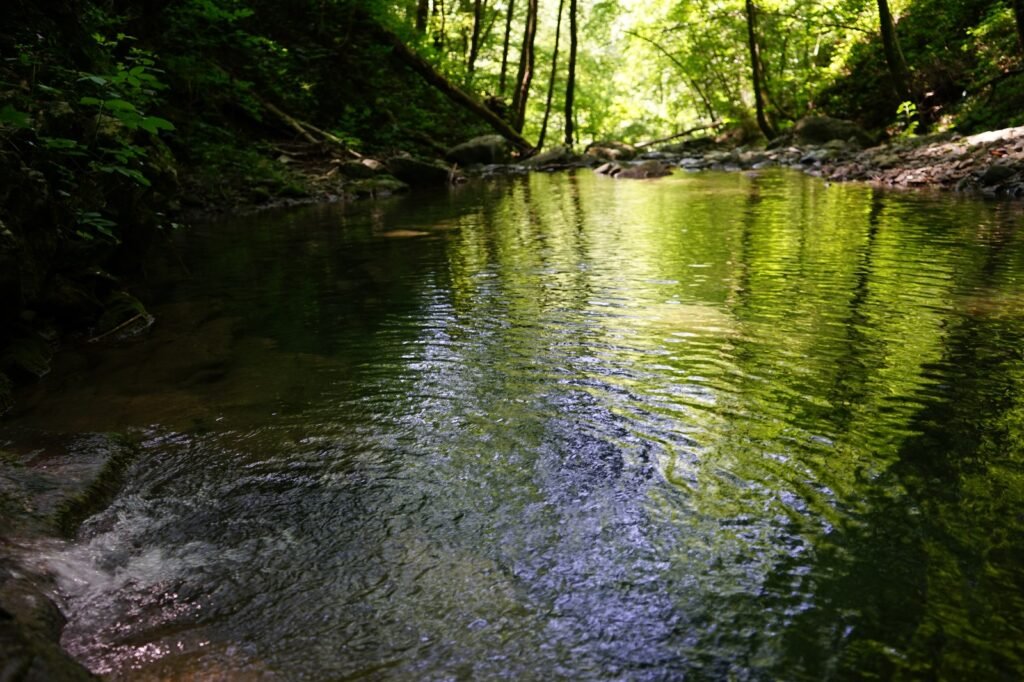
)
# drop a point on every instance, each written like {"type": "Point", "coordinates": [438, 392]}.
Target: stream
{"type": "Point", "coordinates": [558, 426]}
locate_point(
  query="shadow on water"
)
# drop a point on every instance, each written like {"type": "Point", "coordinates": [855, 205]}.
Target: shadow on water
{"type": "Point", "coordinates": [714, 427]}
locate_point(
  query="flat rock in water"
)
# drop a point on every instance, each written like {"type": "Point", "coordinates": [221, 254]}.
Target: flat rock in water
{"type": "Point", "coordinates": [645, 171]}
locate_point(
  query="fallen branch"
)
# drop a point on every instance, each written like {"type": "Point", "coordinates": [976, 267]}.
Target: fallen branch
{"type": "Point", "coordinates": [290, 121]}
{"type": "Point", "coordinates": [426, 71]}
{"type": "Point", "coordinates": [119, 327]}
{"type": "Point", "coordinates": [306, 130]}
{"type": "Point", "coordinates": [713, 124]}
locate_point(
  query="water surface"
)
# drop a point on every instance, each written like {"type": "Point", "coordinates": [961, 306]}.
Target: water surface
{"type": "Point", "coordinates": [714, 426]}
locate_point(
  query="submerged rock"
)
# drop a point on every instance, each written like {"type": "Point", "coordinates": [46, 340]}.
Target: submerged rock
{"type": "Point", "coordinates": [645, 170]}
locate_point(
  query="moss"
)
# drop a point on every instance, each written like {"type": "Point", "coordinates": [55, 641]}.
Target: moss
{"type": "Point", "coordinates": [101, 491]}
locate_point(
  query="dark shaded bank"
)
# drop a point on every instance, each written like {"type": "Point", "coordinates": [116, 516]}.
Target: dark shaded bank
{"type": "Point", "coordinates": [120, 121]}
{"type": "Point", "coordinates": [47, 491]}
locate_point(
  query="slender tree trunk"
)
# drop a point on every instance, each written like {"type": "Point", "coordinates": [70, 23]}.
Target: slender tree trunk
{"type": "Point", "coordinates": [422, 12]}
{"type": "Point", "coordinates": [757, 71]}
{"type": "Point", "coordinates": [551, 81]}
{"type": "Point", "coordinates": [526, 64]}
{"type": "Point", "coordinates": [570, 81]}
{"type": "Point", "coordinates": [474, 41]}
{"type": "Point", "coordinates": [1018, 14]}
{"type": "Point", "coordinates": [440, 37]}
{"type": "Point", "coordinates": [504, 47]}
{"type": "Point", "coordinates": [893, 54]}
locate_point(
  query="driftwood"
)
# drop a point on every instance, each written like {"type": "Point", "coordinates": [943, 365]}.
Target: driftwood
{"type": "Point", "coordinates": [713, 124]}
{"type": "Point", "coordinates": [426, 71]}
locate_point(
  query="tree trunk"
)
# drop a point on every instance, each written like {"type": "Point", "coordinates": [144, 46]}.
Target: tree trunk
{"type": "Point", "coordinates": [450, 90]}
{"type": "Point", "coordinates": [893, 54]}
{"type": "Point", "coordinates": [551, 81]}
{"type": "Point", "coordinates": [570, 82]}
{"type": "Point", "coordinates": [474, 41]}
{"type": "Point", "coordinates": [757, 71]}
{"type": "Point", "coordinates": [422, 12]}
{"type": "Point", "coordinates": [1018, 14]}
{"type": "Point", "coordinates": [504, 47]}
{"type": "Point", "coordinates": [526, 63]}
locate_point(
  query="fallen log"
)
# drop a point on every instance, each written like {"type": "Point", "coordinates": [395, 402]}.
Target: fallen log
{"type": "Point", "coordinates": [426, 71]}
{"type": "Point", "coordinates": [713, 124]}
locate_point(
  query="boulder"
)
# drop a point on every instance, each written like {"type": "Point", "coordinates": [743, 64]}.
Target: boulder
{"type": "Point", "coordinates": [356, 170]}
{"type": "Point", "coordinates": [555, 157]}
{"type": "Point", "coordinates": [417, 172]}
{"type": "Point", "coordinates": [612, 151]}
{"type": "Point", "coordinates": [818, 130]}
{"type": "Point", "coordinates": [486, 149]}
{"type": "Point", "coordinates": [997, 174]}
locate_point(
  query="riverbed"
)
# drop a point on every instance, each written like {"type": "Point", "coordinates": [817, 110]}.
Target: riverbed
{"type": "Point", "coordinates": [558, 426]}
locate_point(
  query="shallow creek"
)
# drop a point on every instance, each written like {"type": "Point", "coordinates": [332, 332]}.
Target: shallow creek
{"type": "Point", "coordinates": [719, 426]}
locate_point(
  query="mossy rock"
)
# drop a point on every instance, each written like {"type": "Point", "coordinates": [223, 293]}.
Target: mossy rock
{"type": "Point", "coordinates": [419, 172]}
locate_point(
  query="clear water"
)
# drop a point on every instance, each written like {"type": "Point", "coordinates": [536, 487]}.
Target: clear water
{"type": "Point", "coordinates": [715, 426]}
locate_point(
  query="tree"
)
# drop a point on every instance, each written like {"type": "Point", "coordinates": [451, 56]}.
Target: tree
{"type": "Point", "coordinates": [504, 47]}
{"type": "Point", "coordinates": [422, 12]}
{"type": "Point", "coordinates": [551, 81]}
{"type": "Point", "coordinates": [1018, 14]}
{"type": "Point", "coordinates": [893, 54]}
{"type": "Point", "coordinates": [526, 65]}
{"type": "Point", "coordinates": [474, 42]}
{"type": "Point", "coordinates": [757, 71]}
{"type": "Point", "coordinates": [570, 83]}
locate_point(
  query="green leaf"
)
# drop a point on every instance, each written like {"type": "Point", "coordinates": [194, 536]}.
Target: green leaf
{"type": "Point", "coordinates": [154, 124]}
{"type": "Point", "coordinates": [10, 116]}
{"type": "Point", "coordinates": [119, 105]}
{"type": "Point", "coordinates": [59, 143]}
{"type": "Point", "coordinates": [90, 101]}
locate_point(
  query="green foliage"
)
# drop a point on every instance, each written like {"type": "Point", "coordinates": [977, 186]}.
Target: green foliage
{"type": "Point", "coordinates": [11, 117]}
{"type": "Point", "coordinates": [906, 119]}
